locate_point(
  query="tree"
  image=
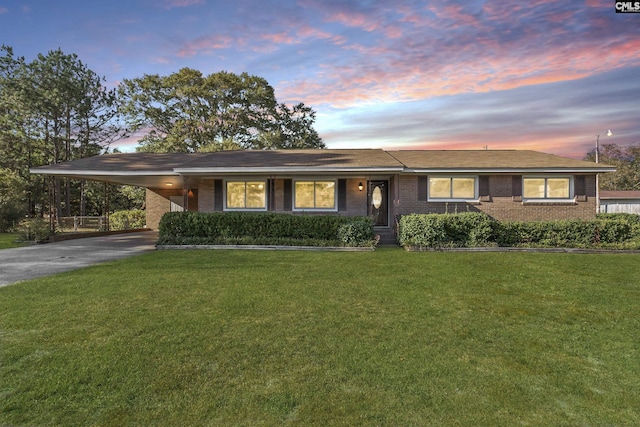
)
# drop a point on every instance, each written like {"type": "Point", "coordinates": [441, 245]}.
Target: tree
{"type": "Point", "coordinates": [627, 163]}
{"type": "Point", "coordinates": [52, 110]}
{"type": "Point", "coordinates": [12, 190]}
{"type": "Point", "coordinates": [189, 112]}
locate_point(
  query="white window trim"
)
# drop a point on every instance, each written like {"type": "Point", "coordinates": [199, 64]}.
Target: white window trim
{"type": "Point", "coordinates": [245, 180]}
{"type": "Point", "coordinates": [569, 199]}
{"type": "Point", "coordinates": [314, 180]}
{"type": "Point", "coordinates": [476, 189]}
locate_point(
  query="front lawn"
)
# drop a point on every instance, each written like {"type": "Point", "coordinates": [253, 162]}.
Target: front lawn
{"type": "Point", "coordinates": [384, 338]}
{"type": "Point", "coordinates": [10, 240]}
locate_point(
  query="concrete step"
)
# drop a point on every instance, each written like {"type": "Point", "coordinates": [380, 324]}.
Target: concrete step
{"type": "Point", "coordinates": [387, 237]}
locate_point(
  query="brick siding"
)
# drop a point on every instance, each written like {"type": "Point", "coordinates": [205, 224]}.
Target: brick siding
{"type": "Point", "coordinates": [403, 200]}
{"type": "Point", "coordinates": [500, 205]}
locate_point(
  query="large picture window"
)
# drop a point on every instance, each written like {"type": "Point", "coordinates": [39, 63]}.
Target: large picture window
{"type": "Point", "coordinates": [546, 187]}
{"type": "Point", "coordinates": [315, 195]}
{"type": "Point", "coordinates": [246, 195]}
{"type": "Point", "coordinates": [459, 188]}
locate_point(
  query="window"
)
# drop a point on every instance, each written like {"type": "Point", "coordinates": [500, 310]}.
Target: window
{"type": "Point", "coordinates": [246, 195]}
{"type": "Point", "coordinates": [461, 188]}
{"type": "Point", "coordinates": [315, 195]}
{"type": "Point", "coordinates": [546, 188]}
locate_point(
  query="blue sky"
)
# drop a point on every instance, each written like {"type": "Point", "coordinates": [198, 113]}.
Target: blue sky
{"type": "Point", "coordinates": [547, 75]}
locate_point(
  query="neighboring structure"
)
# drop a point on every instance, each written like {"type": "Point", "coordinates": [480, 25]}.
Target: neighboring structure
{"type": "Point", "coordinates": [620, 202]}
{"type": "Point", "coordinates": [506, 184]}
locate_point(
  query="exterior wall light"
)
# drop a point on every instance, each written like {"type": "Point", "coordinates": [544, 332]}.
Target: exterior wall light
{"type": "Point", "coordinates": [360, 186]}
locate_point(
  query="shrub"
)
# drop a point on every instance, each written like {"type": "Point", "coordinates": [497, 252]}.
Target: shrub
{"type": "Point", "coordinates": [357, 232]}
{"type": "Point", "coordinates": [127, 220]}
{"type": "Point", "coordinates": [446, 230]}
{"type": "Point", "coordinates": [613, 231]}
{"type": "Point", "coordinates": [35, 230]}
{"type": "Point", "coordinates": [604, 232]}
{"type": "Point", "coordinates": [263, 229]}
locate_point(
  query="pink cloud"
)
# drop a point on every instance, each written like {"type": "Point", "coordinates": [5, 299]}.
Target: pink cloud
{"type": "Point", "coordinates": [3, 10]}
{"type": "Point", "coordinates": [205, 44]}
{"type": "Point", "coordinates": [171, 4]}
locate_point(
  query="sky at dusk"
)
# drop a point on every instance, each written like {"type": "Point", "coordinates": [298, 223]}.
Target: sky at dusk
{"type": "Point", "coordinates": [546, 75]}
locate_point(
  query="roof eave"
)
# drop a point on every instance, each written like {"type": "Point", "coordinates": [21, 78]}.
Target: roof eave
{"type": "Point", "coordinates": [100, 172]}
{"type": "Point", "coordinates": [508, 170]}
{"type": "Point", "coordinates": [285, 170]}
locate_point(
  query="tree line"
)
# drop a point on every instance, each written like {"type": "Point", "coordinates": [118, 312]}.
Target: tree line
{"type": "Point", "coordinates": [55, 109]}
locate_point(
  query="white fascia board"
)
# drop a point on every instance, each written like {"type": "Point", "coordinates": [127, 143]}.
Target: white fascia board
{"type": "Point", "coordinates": [102, 173]}
{"type": "Point", "coordinates": [283, 170]}
{"type": "Point", "coordinates": [513, 170]}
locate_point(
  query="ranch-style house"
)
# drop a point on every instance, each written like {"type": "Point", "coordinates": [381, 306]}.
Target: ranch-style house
{"type": "Point", "coordinates": [505, 184]}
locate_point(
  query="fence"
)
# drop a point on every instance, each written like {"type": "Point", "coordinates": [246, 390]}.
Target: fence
{"type": "Point", "coordinates": [82, 224]}
{"type": "Point", "coordinates": [633, 208]}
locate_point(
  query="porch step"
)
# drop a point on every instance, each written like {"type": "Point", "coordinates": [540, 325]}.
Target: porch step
{"type": "Point", "coordinates": [387, 237]}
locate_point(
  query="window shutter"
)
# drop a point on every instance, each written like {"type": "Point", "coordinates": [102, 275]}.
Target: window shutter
{"type": "Point", "coordinates": [579, 185]}
{"type": "Point", "coordinates": [483, 185]}
{"type": "Point", "coordinates": [218, 195]}
{"type": "Point", "coordinates": [271, 194]}
{"type": "Point", "coordinates": [516, 188]}
{"type": "Point", "coordinates": [423, 183]}
{"type": "Point", "coordinates": [342, 194]}
{"type": "Point", "coordinates": [288, 197]}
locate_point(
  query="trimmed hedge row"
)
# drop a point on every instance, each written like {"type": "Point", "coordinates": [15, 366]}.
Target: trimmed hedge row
{"type": "Point", "coordinates": [471, 229]}
{"type": "Point", "coordinates": [264, 228]}
{"type": "Point", "coordinates": [127, 220]}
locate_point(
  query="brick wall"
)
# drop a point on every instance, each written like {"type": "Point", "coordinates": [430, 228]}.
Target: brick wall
{"type": "Point", "coordinates": [157, 203]}
{"type": "Point", "coordinates": [403, 200]}
{"type": "Point", "coordinates": [501, 205]}
{"type": "Point", "coordinates": [205, 195]}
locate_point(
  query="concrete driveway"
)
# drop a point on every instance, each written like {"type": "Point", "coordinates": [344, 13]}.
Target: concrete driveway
{"type": "Point", "coordinates": [42, 260]}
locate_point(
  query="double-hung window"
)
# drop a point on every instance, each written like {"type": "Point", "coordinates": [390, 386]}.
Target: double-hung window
{"type": "Point", "coordinates": [318, 195]}
{"type": "Point", "coordinates": [555, 188]}
{"type": "Point", "coordinates": [246, 195]}
{"type": "Point", "coordinates": [453, 188]}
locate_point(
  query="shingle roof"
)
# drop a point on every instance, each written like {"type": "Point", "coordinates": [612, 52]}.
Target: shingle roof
{"type": "Point", "coordinates": [124, 162]}
{"type": "Point", "coordinates": [148, 169]}
{"type": "Point", "coordinates": [293, 160]}
{"type": "Point", "coordinates": [488, 159]}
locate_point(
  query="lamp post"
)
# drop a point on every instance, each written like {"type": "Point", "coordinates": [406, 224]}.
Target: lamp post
{"type": "Point", "coordinates": [609, 133]}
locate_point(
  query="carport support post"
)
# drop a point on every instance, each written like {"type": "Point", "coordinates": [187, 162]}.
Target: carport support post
{"type": "Point", "coordinates": [106, 206]}
{"type": "Point", "coordinates": [52, 209]}
{"type": "Point", "coordinates": [185, 193]}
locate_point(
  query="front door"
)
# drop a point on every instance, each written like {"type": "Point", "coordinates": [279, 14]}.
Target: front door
{"type": "Point", "coordinates": [378, 205]}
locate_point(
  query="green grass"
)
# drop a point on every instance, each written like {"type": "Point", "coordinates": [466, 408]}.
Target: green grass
{"type": "Point", "coordinates": [384, 338]}
{"type": "Point", "coordinates": [10, 240]}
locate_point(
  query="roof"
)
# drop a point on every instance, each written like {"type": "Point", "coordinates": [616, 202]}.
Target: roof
{"type": "Point", "coordinates": [293, 161]}
{"type": "Point", "coordinates": [493, 161]}
{"type": "Point", "coordinates": [620, 194]}
{"type": "Point", "coordinates": [153, 170]}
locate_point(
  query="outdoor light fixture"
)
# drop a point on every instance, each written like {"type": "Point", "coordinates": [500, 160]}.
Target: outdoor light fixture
{"type": "Point", "coordinates": [168, 184]}
{"type": "Point", "coordinates": [360, 186]}
{"type": "Point", "coordinates": [609, 133]}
